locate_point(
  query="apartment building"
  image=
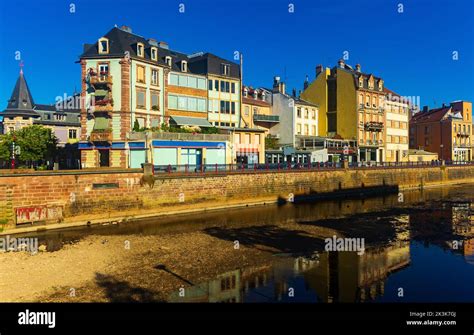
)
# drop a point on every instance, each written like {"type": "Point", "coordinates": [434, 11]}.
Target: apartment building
{"type": "Point", "coordinates": [397, 110]}
{"type": "Point", "coordinates": [351, 107]}
{"type": "Point", "coordinates": [446, 130]}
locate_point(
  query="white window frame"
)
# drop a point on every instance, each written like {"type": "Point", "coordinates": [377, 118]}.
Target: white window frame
{"type": "Point", "coordinates": [101, 51]}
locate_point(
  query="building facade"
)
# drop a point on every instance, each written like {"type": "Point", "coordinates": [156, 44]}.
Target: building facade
{"type": "Point", "coordinates": [351, 106]}
{"type": "Point", "coordinates": [135, 84]}
{"type": "Point", "coordinates": [446, 131]}
{"type": "Point", "coordinates": [257, 110]}
{"type": "Point", "coordinates": [397, 111]}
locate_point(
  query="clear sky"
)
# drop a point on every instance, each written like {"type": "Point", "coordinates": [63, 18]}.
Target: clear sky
{"type": "Point", "coordinates": [412, 51]}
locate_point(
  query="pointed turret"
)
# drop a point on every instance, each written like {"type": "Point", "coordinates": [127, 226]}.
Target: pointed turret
{"type": "Point", "coordinates": [21, 102]}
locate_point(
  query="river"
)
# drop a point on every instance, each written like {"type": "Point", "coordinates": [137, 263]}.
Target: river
{"type": "Point", "coordinates": [418, 247]}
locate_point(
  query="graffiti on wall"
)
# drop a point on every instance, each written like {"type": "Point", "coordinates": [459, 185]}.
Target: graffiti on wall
{"type": "Point", "coordinates": [33, 214]}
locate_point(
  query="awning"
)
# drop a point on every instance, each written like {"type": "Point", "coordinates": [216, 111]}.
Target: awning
{"type": "Point", "coordinates": [190, 121]}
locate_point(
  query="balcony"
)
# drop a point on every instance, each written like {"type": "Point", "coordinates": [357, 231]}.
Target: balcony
{"type": "Point", "coordinates": [101, 135]}
{"type": "Point", "coordinates": [266, 118]}
{"type": "Point", "coordinates": [373, 126]}
{"type": "Point", "coordinates": [102, 104]}
{"type": "Point", "coordinates": [101, 78]}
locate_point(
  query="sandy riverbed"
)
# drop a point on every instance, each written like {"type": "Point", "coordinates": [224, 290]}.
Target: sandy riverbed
{"type": "Point", "coordinates": [143, 268]}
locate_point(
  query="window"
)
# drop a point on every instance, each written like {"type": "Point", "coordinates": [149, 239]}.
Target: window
{"type": "Point", "coordinates": [298, 129]}
{"type": "Point", "coordinates": [140, 74]}
{"type": "Point", "coordinates": [173, 102]}
{"type": "Point", "coordinates": [192, 82]}
{"type": "Point", "coordinates": [232, 88]}
{"type": "Point", "coordinates": [182, 103]}
{"type": "Point", "coordinates": [183, 81]}
{"type": "Point", "coordinates": [155, 100]}
{"type": "Point", "coordinates": [306, 113]}
{"type": "Point", "coordinates": [222, 86]}
{"type": "Point", "coordinates": [306, 129]}
{"type": "Point", "coordinates": [168, 60]}
{"type": "Point", "coordinates": [227, 86]}
{"type": "Point", "coordinates": [103, 46]}
{"type": "Point", "coordinates": [257, 139]}
{"type": "Point", "coordinates": [225, 69]}
{"type": "Point", "coordinates": [72, 134]}
{"type": "Point", "coordinates": [140, 49]}
{"type": "Point", "coordinates": [247, 139]}
{"type": "Point", "coordinates": [154, 77]}
{"type": "Point", "coordinates": [210, 87]}
{"type": "Point", "coordinates": [232, 107]}
{"type": "Point", "coordinates": [154, 53]}
{"type": "Point", "coordinates": [201, 83]}
{"type": "Point", "coordinates": [103, 69]}
{"type": "Point", "coordinates": [184, 66]}
{"type": "Point", "coordinates": [298, 112]}
{"type": "Point", "coordinates": [314, 114]}
{"type": "Point", "coordinates": [313, 128]}
{"type": "Point", "coordinates": [216, 85]}
{"type": "Point", "coordinates": [173, 79]}
{"type": "Point", "coordinates": [141, 99]}
{"type": "Point", "coordinates": [201, 105]}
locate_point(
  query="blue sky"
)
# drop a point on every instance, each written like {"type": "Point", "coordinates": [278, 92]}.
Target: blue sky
{"type": "Point", "coordinates": [412, 51]}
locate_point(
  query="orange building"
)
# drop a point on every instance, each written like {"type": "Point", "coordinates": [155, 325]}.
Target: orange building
{"type": "Point", "coordinates": [446, 131]}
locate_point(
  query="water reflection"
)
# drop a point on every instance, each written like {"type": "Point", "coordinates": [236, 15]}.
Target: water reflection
{"type": "Point", "coordinates": [424, 233]}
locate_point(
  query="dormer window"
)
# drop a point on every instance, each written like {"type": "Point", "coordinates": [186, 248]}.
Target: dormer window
{"type": "Point", "coordinates": [103, 45]}
{"type": "Point", "coordinates": [225, 69]}
{"type": "Point", "coordinates": [263, 96]}
{"type": "Point", "coordinates": [140, 49]}
{"type": "Point", "coordinates": [246, 91]}
{"type": "Point", "coordinates": [380, 85]}
{"type": "Point", "coordinates": [255, 94]}
{"type": "Point", "coordinates": [361, 82]}
{"type": "Point", "coordinates": [184, 66]}
{"type": "Point", "coordinates": [154, 53]}
{"type": "Point", "coordinates": [168, 60]}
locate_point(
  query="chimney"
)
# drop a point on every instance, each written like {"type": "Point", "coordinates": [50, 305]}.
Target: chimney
{"type": "Point", "coordinates": [127, 29]}
{"type": "Point", "coordinates": [152, 42]}
{"type": "Point", "coordinates": [163, 45]}
{"type": "Point", "coordinates": [357, 67]}
{"type": "Point", "coordinates": [282, 88]}
{"type": "Point", "coordinates": [319, 69]}
{"type": "Point", "coordinates": [444, 105]}
{"type": "Point", "coordinates": [294, 92]}
{"type": "Point", "coordinates": [276, 84]}
{"type": "Point", "coordinates": [341, 63]}
{"type": "Point", "coordinates": [425, 109]}
{"type": "Point", "coordinates": [306, 83]}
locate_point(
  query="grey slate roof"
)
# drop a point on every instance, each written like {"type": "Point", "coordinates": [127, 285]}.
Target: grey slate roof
{"type": "Point", "coordinates": [21, 101]}
{"type": "Point", "coordinates": [121, 41]}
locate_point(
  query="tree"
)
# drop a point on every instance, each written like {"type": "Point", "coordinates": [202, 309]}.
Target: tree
{"type": "Point", "coordinates": [36, 142]}
{"type": "Point", "coordinates": [136, 126]}
{"type": "Point", "coordinates": [271, 142]}
{"type": "Point", "coordinates": [5, 147]}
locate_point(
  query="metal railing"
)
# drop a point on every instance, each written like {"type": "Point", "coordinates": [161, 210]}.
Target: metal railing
{"type": "Point", "coordinates": [276, 167]}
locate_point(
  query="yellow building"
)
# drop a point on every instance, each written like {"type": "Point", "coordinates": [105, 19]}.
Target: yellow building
{"type": "Point", "coordinates": [351, 106]}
